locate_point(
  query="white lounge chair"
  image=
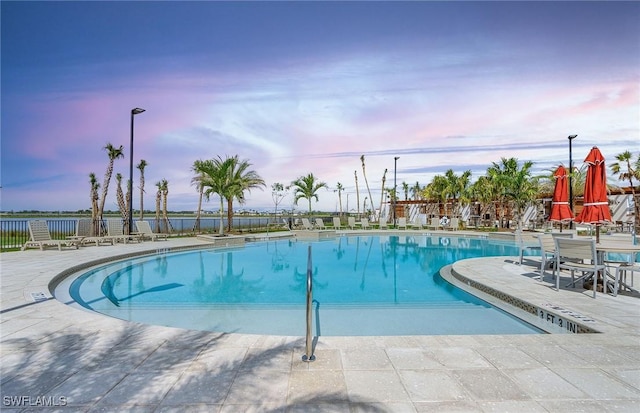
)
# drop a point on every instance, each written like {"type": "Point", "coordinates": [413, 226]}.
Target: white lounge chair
{"type": "Point", "coordinates": [41, 237]}
{"type": "Point", "coordinates": [416, 223]}
{"type": "Point", "coordinates": [336, 223]}
{"type": "Point", "coordinates": [365, 223]}
{"type": "Point", "coordinates": [320, 224]}
{"type": "Point", "coordinates": [434, 223]}
{"type": "Point", "coordinates": [351, 222]}
{"type": "Point", "coordinates": [402, 223]}
{"type": "Point", "coordinates": [383, 223]}
{"type": "Point", "coordinates": [83, 234]}
{"type": "Point", "coordinates": [144, 230]}
{"type": "Point", "coordinates": [454, 224]}
{"type": "Point", "coordinates": [306, 224]}
{"type": "Point", "coordinates": [115, 231]}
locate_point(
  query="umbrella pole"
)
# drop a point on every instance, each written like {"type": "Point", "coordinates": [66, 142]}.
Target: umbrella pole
{"type": "Point", "coordinates": [597, 233]}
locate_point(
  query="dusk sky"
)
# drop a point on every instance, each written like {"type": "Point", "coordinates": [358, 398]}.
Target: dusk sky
{"type": "Point", "coordinates": [300, 87]}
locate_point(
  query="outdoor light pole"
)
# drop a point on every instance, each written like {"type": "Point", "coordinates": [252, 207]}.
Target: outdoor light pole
{"type": "Point", "coordinates": [134, 111]}
{"type": "Point", "coordinates": [571, 137]}
{"type": "Point", "coordinates": [395, 188]}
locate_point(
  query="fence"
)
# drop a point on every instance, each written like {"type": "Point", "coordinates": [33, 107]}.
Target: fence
{"type": "Point", "coordinates": [15, 232]}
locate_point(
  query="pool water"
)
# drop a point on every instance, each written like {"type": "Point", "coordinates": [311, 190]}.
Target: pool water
{"type": "Point", "coordinates": [362, 285]}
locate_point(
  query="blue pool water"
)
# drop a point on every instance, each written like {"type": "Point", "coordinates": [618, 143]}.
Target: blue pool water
{"type": "Point", "coordinates": [366, 285]}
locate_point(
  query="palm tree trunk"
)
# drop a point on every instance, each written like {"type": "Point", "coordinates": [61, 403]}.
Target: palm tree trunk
{"type": "Point", "coordinates": [355, 173]}
{"type": "Point", "coordinates": [384, 180]}
{"type": "Point", "coordinates": [229, 214]}
{"type": "Point", "coordinates": [366, 181]}
{"type": "Point", "coordinates": [221, 231]}
{"type": "Point", "coordinates": [196, 226]}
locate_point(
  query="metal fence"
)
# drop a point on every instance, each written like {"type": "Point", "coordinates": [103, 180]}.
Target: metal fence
{"type": "Point", "coordinates": [15, 232]}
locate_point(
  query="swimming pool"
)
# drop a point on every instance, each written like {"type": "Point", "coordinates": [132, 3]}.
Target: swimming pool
{"type": "Point", "coordinates": [363, 285]}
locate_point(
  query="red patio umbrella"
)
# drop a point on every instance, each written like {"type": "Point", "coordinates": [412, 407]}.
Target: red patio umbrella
{"type": "Point", "coordinates": [596, 205]}
{"type": "Point", "coordinates": [560, 211]}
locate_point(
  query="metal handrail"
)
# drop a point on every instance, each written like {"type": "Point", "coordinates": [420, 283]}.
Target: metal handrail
{"type": "Point", "coordinates": [309, 344]}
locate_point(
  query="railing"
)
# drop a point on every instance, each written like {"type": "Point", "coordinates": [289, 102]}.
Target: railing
{"type": "Point", "coordinates": [309, 343]}
{"type": "Point", "coordinates": [15, 232]}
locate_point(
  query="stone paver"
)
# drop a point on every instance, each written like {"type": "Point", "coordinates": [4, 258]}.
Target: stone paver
{"type": "Point", "coordinates": [99, 364]}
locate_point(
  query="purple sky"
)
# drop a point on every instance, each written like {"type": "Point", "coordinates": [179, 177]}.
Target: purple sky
{"type": "Point", "coordinates": [308, 87]}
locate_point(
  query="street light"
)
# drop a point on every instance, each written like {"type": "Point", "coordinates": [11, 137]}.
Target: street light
{"type": "Point", "coordinates": [134, 111]}
{"type": "Point", "coordinates": [395, 188]}
{"type": "Point", "coordinates": [571, 137]}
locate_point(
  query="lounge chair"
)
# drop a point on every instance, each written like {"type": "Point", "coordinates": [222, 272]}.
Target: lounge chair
{"type": "Point", "coordinates": [144, 230]}
{"type": "Point", "coordinates": [402, 223]}
{"type": "Point", "coordinates": [578, 255]}
{"type": "Point", "coordinates": [115, 231]}
{"type": "Point", "coordinates": [416, 223]}
{"type": "Point", "coordinates": [83, 234]}
{"type": "Point", "coordinates": [454, 224]}
{"type": "Point", "coordinates": [351, 222]}
{"type": "Point", "coordinates": [365, 223]}
{"type": "Point", "coordinates": [320, 224]}
{"type": "Point", "coordinates": [41, 237]}
{"type": "Point", "coordinates": [336, 223]}
{"type": "Point", "coordinates": [434, 223]}
{"type": "Point", "coordinates": [383, 223]}
{"type": "Point", "coordinates": [306, 224]}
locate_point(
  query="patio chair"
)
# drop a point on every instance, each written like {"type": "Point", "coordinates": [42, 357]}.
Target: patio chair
{"type": "Point", "coordinates": [621, 274]}
{"type": "Point", "coordinates": [320, 224]}
{"type": "Point", "coordinates": [40, 237]}
{"type": "Point", "coordinates": [306, 224]}
{"type": "Point", "coordinates": [547, 248]}
{"type": "Point", "coordinates": [525, 247]}
{"type": "Point", "coordinates": [144, 230]}
{"type": "Point", "coordinates": [83, 234]}
{"type": "Point", "coordinates": [578, 255]}
{"type": "Point", "coordinates": [365, 223]}
{"type": "Point", "coordinates": [336, 223]}
{"type": "Point", "coordinates": [382, 223]}
{"type": "Point", "coordinates": [454, 224]}
{"type": "Point", "coordinates": [402, 223]}
{"type": "Point", "coordinates": [351, 222]}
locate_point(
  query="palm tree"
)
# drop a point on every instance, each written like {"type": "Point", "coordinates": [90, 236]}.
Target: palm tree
{"type": "Point", "coordinates": [366, 181]}
{"type": "Point", "coordinates": [93, 195]}
{"type": "Point", "coordinates": [198, 182]}
{"type": "Point", "coordinates": [522, 189]}
{"type": "Point", "coordinates": [213, 176]}
{"type": "Point", "coordinates": [124, 211]}
{"type": "Point", "coordinates": [307, 187]}
{"type": "Point", "coordinates": [384, 180]}
{"type": "Point", "coordinates": [240, 179]}
{"type": "Point", "coordinates": [340, 188]}
{"type": "Point", "coordinates": [143, 164]}
{"type": "Point", "coordinates": [158, 201]}
{"type": "Point", "coordinates": [513, 184]}
{"type": "Point", "coordinates": [355, 174]}
{"type": "Point", "coordinates": [113, 153]}
{"type": "Point", "coordinates": [164, 187]}
{"type": "Point", "coordinates": [625, 171]}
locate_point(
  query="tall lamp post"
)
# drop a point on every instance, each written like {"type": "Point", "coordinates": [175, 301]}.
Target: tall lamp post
{"type": "Point", "coordinates": [134, 112]}
{"type": "Point", "coordinates": [571, 138]}
{"type": "Point", "coordinates": [395, 188]}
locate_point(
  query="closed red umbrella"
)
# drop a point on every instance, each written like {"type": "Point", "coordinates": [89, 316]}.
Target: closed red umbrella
{"type": "Point", "coordinates": [560, 211]}
{"type": "Point", "coordinates": [596, 204]}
